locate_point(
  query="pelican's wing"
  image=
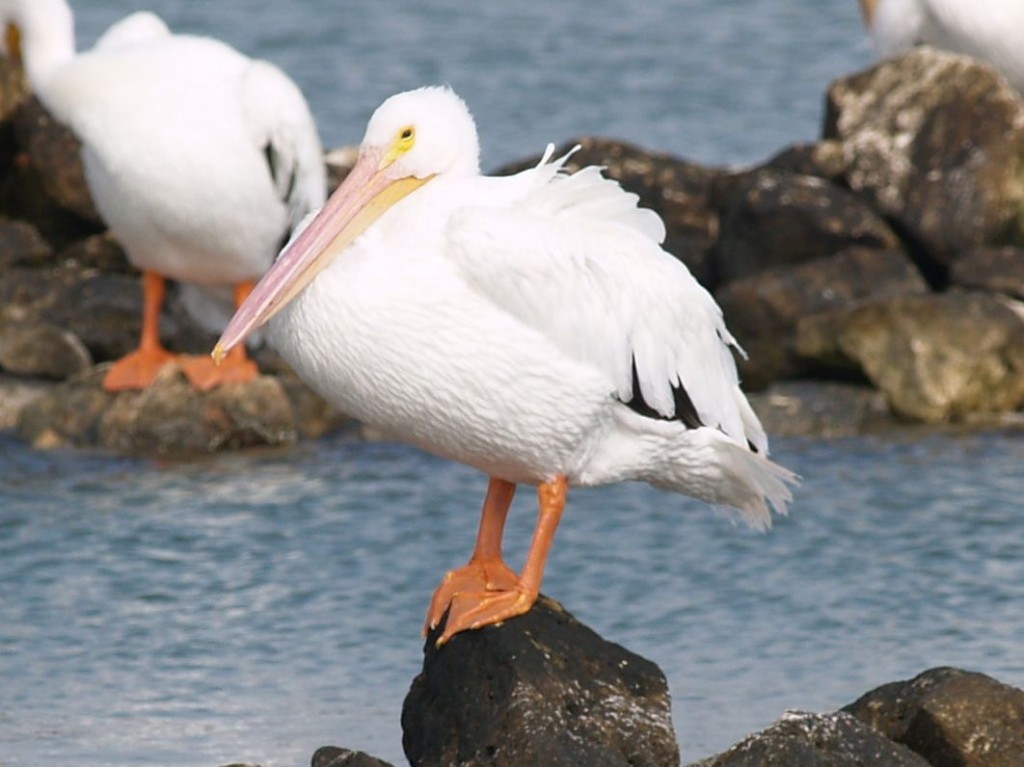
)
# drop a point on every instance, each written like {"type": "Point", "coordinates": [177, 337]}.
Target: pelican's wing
{"type": "Point", "coordinates": [577, 260]}
{"type": "Point", "coordinates": [283, 129]}
{"type": "Point", "coordinates": [134, 29]}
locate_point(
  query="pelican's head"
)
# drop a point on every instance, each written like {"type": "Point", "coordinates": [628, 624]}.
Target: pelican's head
{"type": "Point", "coordinates": [421, 133]}
{"type": "Point", "coordinates": [412, 138]}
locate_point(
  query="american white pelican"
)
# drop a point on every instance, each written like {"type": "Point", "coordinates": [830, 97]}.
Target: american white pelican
{"type": "Point", "coordinates": [200, 160]}
{"type": "Point", "coordinates": [990, 30]}
{"type": "Point", "coordinates": [529, 326]}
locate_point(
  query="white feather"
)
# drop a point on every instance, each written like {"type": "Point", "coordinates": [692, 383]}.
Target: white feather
{"type": "Point", "coordinates": [495, 321]}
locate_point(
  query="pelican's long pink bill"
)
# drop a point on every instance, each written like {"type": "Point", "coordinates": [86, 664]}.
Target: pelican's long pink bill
{"type": "Point", "coordinates": [365, 194]}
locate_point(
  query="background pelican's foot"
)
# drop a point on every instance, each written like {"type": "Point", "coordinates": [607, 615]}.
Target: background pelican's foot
{"type": "Point", "coordinates": [137, 370]}
{"type": "Point", "coordinates": [205, 374]}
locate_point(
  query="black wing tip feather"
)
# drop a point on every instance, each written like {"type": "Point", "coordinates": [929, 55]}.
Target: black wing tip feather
{"type": "Point", "coordinates": [685, 410]}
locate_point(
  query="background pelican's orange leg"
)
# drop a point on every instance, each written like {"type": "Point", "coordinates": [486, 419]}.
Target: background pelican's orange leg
{"type": "Point", "coordinates": [474, 609]}
{"type": "Point", "coordinates": [138, 369]}
{"type": "Point", "coordinates": [204, 374]}
{"type": "Point", "coordinates": [486, 570]}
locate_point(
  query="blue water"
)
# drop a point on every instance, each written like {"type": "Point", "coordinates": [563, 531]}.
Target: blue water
{"type": "Point", "coordinates": [254, 607]}
{"type": "Point", "coordinates": [720, 81]}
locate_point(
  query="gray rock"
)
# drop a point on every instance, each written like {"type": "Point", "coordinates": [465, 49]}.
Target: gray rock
{"type": "Point", "coordinates": [98, 251]}
{"type": "Point", "coordinates": [940, 357]}
{"type": "Point", "coordinates": [816, 740]}
{"type": "Point", "coordinates": [103, 309]}
{"type": "Point", "coordinates": [952, 718]}
{"type": "Point", "coordinates": [770, 218]}
{"type": "Point", "coordinates": [820, 409]}
{"type": "Point", "coordinates": [332, 756]}
{"type": "Point", "coordinates": [763, 310]}
{"type": "Point", "coordinates": [16, 394]}
{"type": "Point", "coordinates": [41, 349]}
{"type": "Point", "coordinates": [539, 689]}
{"type": "Point", "coordinates": [22, 245]}
{"type": "Point", "coordinates": [997, 270]}
{"type": "Point", "coordinates": [934, 140]}
{"type": "Point", "coordinates": [169, 418]}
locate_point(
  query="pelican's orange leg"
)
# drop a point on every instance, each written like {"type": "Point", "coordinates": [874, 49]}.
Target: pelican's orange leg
{"type": "Point", "coordinates": [204, 374]}
{"type": "Point", "coordinates": [486, 570]}
{"type": "Point", "coordinates": [475, 608]}
{"type": "Point", "coordinates": [138, 369]}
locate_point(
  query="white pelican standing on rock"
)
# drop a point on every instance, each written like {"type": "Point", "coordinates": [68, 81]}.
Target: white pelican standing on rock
{"type": "Point", "coordinates": [199, 159]}
{"type": "Point", "coordinates": [990, 30]}
{"type": "Point", "coordinates": [529, 326]}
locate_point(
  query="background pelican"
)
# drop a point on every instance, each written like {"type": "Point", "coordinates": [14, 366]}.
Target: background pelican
{"type": "Point", "coordinates": [199, 159]}
{"type": "Point", "coordinates": [990, 30]}
{"type": "Point", "coordinates": [530, 326]}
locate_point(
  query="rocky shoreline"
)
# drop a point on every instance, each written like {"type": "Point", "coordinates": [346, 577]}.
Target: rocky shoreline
{"type": "Point", "coordinates": [544, 689]}
{"type": "Point", "coordinates": [875, 277]}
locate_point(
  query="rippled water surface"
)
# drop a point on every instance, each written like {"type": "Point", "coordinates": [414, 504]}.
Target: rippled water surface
{"type": "Point", "coordinates": [252, 608]}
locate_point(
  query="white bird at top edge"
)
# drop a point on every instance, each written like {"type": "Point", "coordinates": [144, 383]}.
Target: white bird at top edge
{"type": "Point", "coordinates": [530, 326]}
{"type": "Point", "coordinates": [989, 30]}
{"type": "Point", "coordinates": [200, 160]}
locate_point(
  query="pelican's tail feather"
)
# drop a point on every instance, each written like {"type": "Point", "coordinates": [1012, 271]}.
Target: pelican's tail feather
{"type": "Point", "coordinates": [709, 465]}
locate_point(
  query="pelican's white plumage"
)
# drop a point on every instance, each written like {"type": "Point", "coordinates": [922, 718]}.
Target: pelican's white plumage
{"type": "Point", "coordinates": [199, 159]}
{"type": "Point", "coordinates": [506, 323]}
{"type": "Point", "coordinates": [990, 30]}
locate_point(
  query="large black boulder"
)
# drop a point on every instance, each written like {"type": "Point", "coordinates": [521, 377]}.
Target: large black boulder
{"type": "Point", "coordinates": [539, 689]}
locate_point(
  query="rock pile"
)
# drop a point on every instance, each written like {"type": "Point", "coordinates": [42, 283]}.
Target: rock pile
{"type": "Point", "coordinates": [889, 255]}
{"type": "Point", "coordinates": [70, 302]}
{"type": "Point", "coordinates": [886, 260]}
{"type": "Point", "coordinates": [545, 689]}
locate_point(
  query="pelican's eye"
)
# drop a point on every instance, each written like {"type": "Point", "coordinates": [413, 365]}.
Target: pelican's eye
{"type": "Point", "coordinates": [400, 145]}
{"type": "Point", "coordinates": [406, 138]}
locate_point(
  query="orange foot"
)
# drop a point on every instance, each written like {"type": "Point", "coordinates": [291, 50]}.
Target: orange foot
{"type": "Point", "coordinates": [476, 609]}
{"type": "Point", "coordinates": [204, 374]}
{"type": "Point", "coordinates": [481, 577]}
{"type": "Point", "coordinates": [137, 370]}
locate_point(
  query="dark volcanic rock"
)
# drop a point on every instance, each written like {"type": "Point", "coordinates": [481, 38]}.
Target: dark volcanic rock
{"type": "Point", "coordinates": [936, 142]}
{"type": "Point", "coordinates": [763, 310]}
{"type": "Point", "coordinates": [168, 418]}
{"type": "Point", "coordinates": [771, 218]}
{"type": "Point", "coordinates": [332, 756]}
{"type": "Point", "coordinates": [952, 718]}
{"type": "Point", "coordinates": [540, 689]}
{"type": "Point", "coordinates": [55, 154]}
{"type": "Point", "coordinates": [940, 357]}
{"type": "Point", "coordinates": [822, 159]}
{"type": "Point", "coordinates": [13, 91]}
{"type": "Point", "coordinates": [997, 270]}
{"type": "Point", "coordinates": [816, 740]}
{"type": "Point", "coordinates": [672, 187]}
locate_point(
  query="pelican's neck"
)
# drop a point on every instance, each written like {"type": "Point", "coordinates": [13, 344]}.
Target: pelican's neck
{"type": "Point", "coordinates": [47, 38]}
